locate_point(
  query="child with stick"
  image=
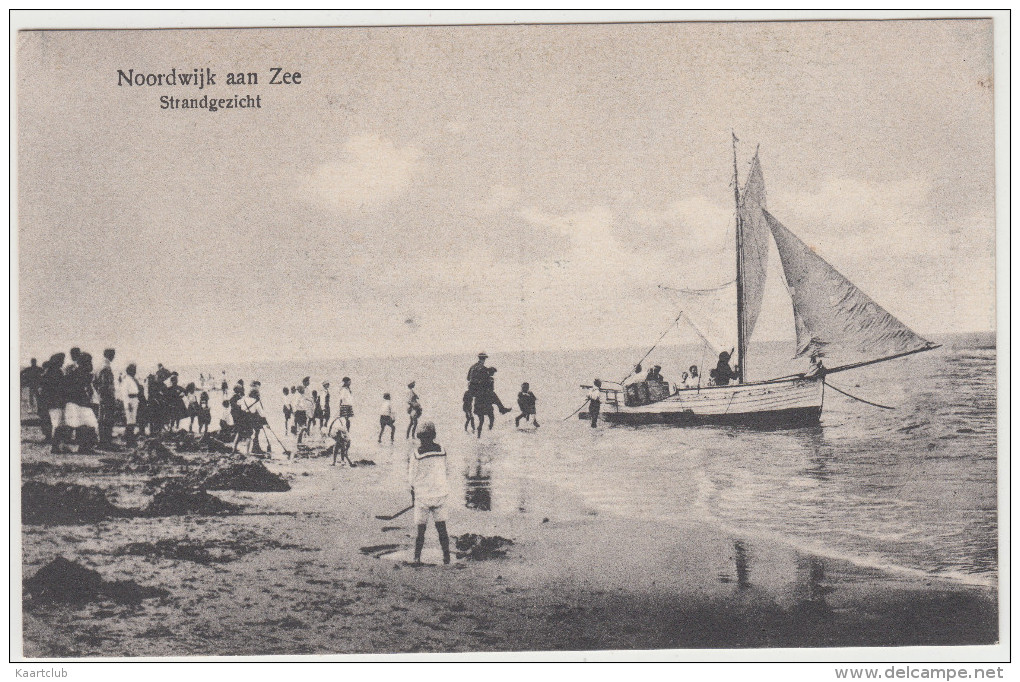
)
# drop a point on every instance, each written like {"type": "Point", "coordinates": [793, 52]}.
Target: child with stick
{"type": "Point", "coordinates": [428, 476]}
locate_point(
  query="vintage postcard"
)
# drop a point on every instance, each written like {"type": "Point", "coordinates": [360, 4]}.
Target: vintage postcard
{"type": "Point", "coordinates": [507, 338]}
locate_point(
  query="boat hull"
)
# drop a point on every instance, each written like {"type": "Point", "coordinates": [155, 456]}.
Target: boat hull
{"type": "Point", "coordinates": [779, 404]}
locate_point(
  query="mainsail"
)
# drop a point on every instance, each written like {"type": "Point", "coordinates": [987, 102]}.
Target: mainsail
{"type": "Point", "coordinates": [836, 320]}
{"type": "Point", "coordinates": [754, 248]}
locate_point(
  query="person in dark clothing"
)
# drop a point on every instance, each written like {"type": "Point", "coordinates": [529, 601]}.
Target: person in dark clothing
{"type": "Point", "coordinates": [722, 374]}
{"type": "Point", "coordinates": [526, 401]}
{"type": "Point", "coordinates": [483, 409]}
{"type": "Point", "coordinates": [30, 377]}
{"type": "Point", "coordinates": [175, 402]}
{"type": "Point", "coordinates": [317, 409]}
{"type": "Point", "coordinates": [654, 374]}
{"type": "Point", "coordinates": [817, 368]}
{"type": "Point", "coordinates": [52, 398]}
{"type": "Point", "coordinates": [469, 417]}
{"type": "Point", "coordinates": [78, 411]}
{"type": "Point", "coordinates": [486, 399]}
{"type": "Point", "coordinates": [106, 387]}
{"type": "Point", "coordinates": [204, 413]}
{"type": "Point", "coordinates": [326, 407]}
{"type": "Point", "coordinates": [477, 375]}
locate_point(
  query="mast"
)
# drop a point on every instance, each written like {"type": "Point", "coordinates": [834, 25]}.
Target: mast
{"type": "Point", "coordinates": [740, 269]}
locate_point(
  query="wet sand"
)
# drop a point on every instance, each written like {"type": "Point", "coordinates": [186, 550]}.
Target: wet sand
{"type": "Point", "coordinates": [287, 575]}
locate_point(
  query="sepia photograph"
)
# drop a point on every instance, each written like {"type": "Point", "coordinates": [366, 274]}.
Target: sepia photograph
{"type": "Point", "coordinates": [632, 339]}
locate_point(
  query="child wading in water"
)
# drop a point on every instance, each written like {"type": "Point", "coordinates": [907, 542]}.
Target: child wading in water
{"type": "Point", "coordinates": [526, 401]}
{"type": "Point", "coordinates": [414, 411]}
{"type": "Point", "coordinates": [469, 417]}
{"type": "Point", "coordinates": [427, 474]}
{"type": "Point", "coordinates": [386, 418]}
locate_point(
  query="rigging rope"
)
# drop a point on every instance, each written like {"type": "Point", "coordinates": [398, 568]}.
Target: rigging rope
{"type": "Point", "coordinates": [698, 291]}
{"type": "Point", "coordinates": [866, 402]}
{"type": "Point", "coordinates": [661, 337]}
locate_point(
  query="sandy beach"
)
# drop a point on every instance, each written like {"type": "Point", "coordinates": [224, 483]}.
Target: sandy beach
{"type": "Point", "coordinates": [313, 571]}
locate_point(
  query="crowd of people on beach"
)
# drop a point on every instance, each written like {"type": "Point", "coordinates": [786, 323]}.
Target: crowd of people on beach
{"type": "Point", "coordinates": [79, 405]}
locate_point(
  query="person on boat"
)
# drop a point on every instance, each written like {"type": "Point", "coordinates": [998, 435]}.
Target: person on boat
{"type": "Point", "coordinates": [595, 402]}
{"type": "Point", "coordinates": [817, 368]}
{"type": "Point", "coordinates": [654, 374]}
{"type": "Point", "coordinates": [722, 373]}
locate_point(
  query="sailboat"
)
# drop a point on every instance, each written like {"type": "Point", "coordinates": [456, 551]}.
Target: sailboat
{"type": "Point", "coordinates": [836, 324]}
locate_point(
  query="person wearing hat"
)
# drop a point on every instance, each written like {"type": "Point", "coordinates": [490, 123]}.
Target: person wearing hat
{"type": "Point", "coordinates": [478, 376]}
{"type": "Point", "coordinates": [722, 373]}
{"type": "Point", "coordinates": [428, 475]}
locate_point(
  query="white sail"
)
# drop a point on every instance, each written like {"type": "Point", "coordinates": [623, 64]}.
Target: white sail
{"type": "Point", "coordinates": [835, 319]}
{"type": "Point", "coordinates": [754, 248]}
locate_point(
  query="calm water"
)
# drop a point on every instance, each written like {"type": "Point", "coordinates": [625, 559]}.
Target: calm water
{"type": "Point", "coordinates": [911, 489]}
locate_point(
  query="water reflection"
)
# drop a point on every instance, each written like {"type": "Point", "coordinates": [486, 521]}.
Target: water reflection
{"type": "Point", "coordinates": [812, 587]}
{"type": "Point", "coordinates": [740, 557]}
{"type": "Point", "coordinates": [478, 484]}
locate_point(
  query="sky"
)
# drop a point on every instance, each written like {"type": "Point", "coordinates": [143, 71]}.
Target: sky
{"type": "Point", "coordinates": [451, 189]}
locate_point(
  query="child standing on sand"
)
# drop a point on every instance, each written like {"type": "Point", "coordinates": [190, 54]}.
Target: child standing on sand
{"type": "Point", "coordinates": [386, 418]}
{"type": "Point", "coordinates": [428, 476]}
{"type": "Point", "coordinates": [341, 440]}
{"type": "Point", "coordinates": [287, 409]}
{"type": "Point", "coordinates": [526, 401]}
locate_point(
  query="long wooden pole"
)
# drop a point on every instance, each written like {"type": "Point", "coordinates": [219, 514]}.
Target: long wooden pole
{"type": "Point", "coordinates": [740, 271]}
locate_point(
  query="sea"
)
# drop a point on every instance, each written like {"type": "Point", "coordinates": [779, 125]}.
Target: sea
{"type": "Point", "coordinates": [910, 489]}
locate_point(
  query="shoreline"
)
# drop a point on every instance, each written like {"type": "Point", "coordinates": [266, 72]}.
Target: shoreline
{"type": "Point", "coordinates": [570, 581]}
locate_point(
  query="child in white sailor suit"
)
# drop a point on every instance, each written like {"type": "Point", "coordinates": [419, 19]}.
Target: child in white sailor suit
{"type": "Point", "coordinates": [428, 476]}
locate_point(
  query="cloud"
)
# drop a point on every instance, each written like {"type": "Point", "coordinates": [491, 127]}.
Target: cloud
{"type": "Point", "coordinates": [371, 172]}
